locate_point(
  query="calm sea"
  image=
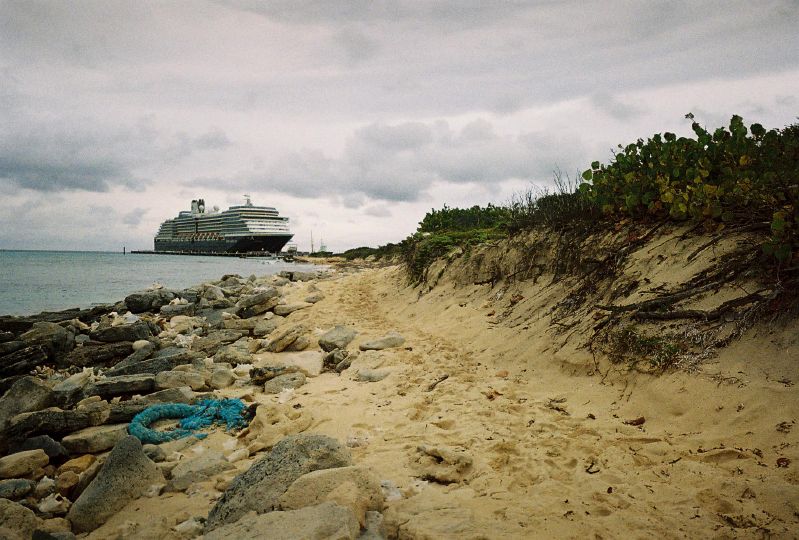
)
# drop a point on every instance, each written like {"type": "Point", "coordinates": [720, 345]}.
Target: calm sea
{"type": "Point", "coordinates": [34, 281]}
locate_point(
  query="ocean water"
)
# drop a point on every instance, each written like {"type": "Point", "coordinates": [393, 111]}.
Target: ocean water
{"type": "Point", "coordinates": [35, 281]}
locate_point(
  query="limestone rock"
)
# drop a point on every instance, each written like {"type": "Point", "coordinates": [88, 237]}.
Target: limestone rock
{"type": "Point", "coordinates": [326, 521]}
{"type": "Point", "coordinates": [391, 340]}
{"type": "Point", "coordinates": [123, 332]}
{"type": "Point", "coordinates": [283, 338]}
{"type": "Point", "coordinates": [95, 353]}
{"type": "Point", "coordinates": [177, 379]}
{"type": "Point", "coordinates": [17, 519]}
{"type": "Point", "coordinates": [140, 302]}
{"type": "Point", "coordinates": [126, 475]}
{"type": "Point", "coordinates": [158, 363]}
{"type": "Point", "coordinates": [65, 481]}
{"type": "Point", "coordinates": [289, 380]}
{"type": "Point", "coordinates": [314, 297]}
{"type": "Point", "coordinates": [261, 486]}
{"type": "Point", "coordinates": [222, 378]}
{"type": "Point", "coordinates": [286, 309]}
{"type": "Point", "coordinates": [70, 390]}
{"type": "Point", "coordinates": [337, 338]}
{"type": "Point", "coordinates": [197, 469]}
{"type": "Point", "coordinates": [121, 385]}
{"type": "Point", "coordinates": [51, 447]}
{"type": "Point", "coordinates": [52, 421]}
{"type": "Point", "coordinates": [54, 504]}
{"type": "Point", "coordinates": [356, 488]}
{"type": "Point", "coordinates": [78, 464]}
{"type": "Point", "coordinates": [95, 439]}
{"type": "Point", "coordinates": [300, 344]}
{"type": "Point", "coordinates": [265, 327]}
{"type": "Point", "coordinates": [55, 339]}
{"type": "Point", "coordinates": [372, 375]}
{"type": "Point", "coordinates": [273, 422]}
{"type": "Point", "coordinates": [22, 463]}
{"type": "Point", "coordinates": [308, 362]}
{"type": "Point", "coordinates": [171, 310]}
{"type": "Point", "coordinates": [22, 361]}
{"type": "Point", "coordinates": [25, 395]}
{"type": "Point", "coordinates": [15, 488]}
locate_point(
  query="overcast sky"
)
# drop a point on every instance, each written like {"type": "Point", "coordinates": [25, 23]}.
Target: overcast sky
{"type": "Point", "coordinates": [352, 118]}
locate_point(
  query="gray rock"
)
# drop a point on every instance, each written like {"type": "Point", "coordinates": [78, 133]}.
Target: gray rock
{"type": "Point", "coordinates": [314, 297]}
{"type": "Point", "coordinates": [11, 346]}
{"type": "Point", "coordinates": [191, 295]}
{"type": "Point", "coordinates": [289, 380]}
{"type": "Point", "coordinates": [392, 339]}
{"type": "Point", "coordinates": [154, 452]}
{"type": "Point", "coordinates": [140, 302]}
{"type": "Point", "coordinates": [337, 338]}
{"type": "Point", "coordinates": [222, 378]}
{"type": "Point", "coordinates": [121, 385]}
{"type": "Point", "coordinates": [53, 337]}
{"type": "Point", "coordinates": [326, 521]}
{"type": "Point", "coordinates": [260, 297]}
{"type": "Point", "coordinates": [266, 327]}
{"type": "Point", "coordinates": [123, 332]}
{"type": "Point", "coordinates": [177, 379]}
{"type": "Point", "coordinates": [232, 355]}
{"type": "Point", "coordinates": [372, 375]}
{"type": "Point", "coordinates": [15, 488]}
{"type": "Point", "coordinates": [300, 276]}
{"type": "Point", "coordinates": [214, 340]}
{"type": "Point", "coordinates": [261, 486]}
{"type": "Point", "coordinates": [334, 357]}
{"type": "Point", "coordinates": [299, 344]}
{"type": "Point", "coordinates": [95, 353]}
{"type": "Point", "coordinates": [22, 361]}
{"type": "Point", "coordinates": [25, 395]}
{"type": "Point", "coordinates": [125, 476]}
{"type": "Point", "coordinates": [69, 391]}
{"type": "Point", "coordinates": [171, 310]}
{"type": "Point", "coordinates": [286, 309]}
{"type": "Point", "coordinates": [156, 364]}
{"type": "Point", "coordinates": [258, 309]}
{"type": "Point", "coordinates": [51, 447]}
{"type": "Point", "coordinates": [282, 339]}
{"type": "Point", "coordinates": [52, 421]}
{"type": "Point", "coordinates": [140, 353]}
{"type": "Point", "coordinates": [5, 337]}
{"type": "Point", "coordinates": [17, 519]}
{"type": "Point", "coordinates": [198, 469]}
{"type": "Point", "coordinates": [344, 364]}
{"type": "Point", "coordinates": [94, 439]}
{"type": "Point", "coordinates": [22, 464]}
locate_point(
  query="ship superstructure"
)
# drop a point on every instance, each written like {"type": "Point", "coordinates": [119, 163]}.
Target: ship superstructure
{"type": "Point", "coordinates": [239, 229]}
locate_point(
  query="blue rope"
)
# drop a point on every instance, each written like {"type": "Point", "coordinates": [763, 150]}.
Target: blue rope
{"type": "Point", "coordinates": [193, 417]}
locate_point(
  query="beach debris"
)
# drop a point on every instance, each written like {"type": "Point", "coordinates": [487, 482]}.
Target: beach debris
{"type": "Point", "coordinates": [491, 394]}
{"type": "Point", "coordinates": [441, 378]}
{"type": "Point", "coordinates": [783, 462]}
{"type": "Point", "coordinates": [592, 468]}
{"type": "Point", "coordinates": [556, 404]}
{"type": "Point", "coordinates": [442, 464]}
{"type": "Point", "coordinates": [636, 421]}
{"type": "Point", "coordinates": [232, 412]}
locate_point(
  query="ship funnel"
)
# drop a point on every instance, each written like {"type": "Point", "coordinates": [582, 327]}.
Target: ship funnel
{"type": "Point", "coordinates": [194, 206]}
{"type": "Point", "coordinates": [201, 206]}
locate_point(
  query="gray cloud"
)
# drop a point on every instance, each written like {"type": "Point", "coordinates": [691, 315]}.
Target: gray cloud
{"type": "Point", "coordinates": [134, 217]}
{"type": "Point", "coordinates": [612, 106]}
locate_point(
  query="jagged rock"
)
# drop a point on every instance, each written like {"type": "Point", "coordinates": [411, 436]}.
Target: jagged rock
{"type": "Point", "coordinates": [25, 395]}
{"type": "Point", "coordinates": [289, 380]}
{"type": "Point", "coordinates": [372, 375]}
{"type": "Point", "coordinates": [337, 338]}
{"type": "Point", "coordinates": [17, 520]}
{"type": "Point", "coordinates": [22, 361]}
{"type": "Point", "coordinates": [44, 487]}
{"type": "Point", "coordinates": [5, 337]}
{"type": "Point", "coordinates": [356, 488]}
{"type": "Point", "coordinates": [214, 340]}
{"type": "Point", "coordinates": [259, 309]}
{"type": "Point", "coordinates": [140, 302]}
{"type": "Point", "coordinates": [15, 488]}
{"type": "Point", "coordinates": [52, 421]}
{"type": "Point", "coordinates": [334, 357]}
{"type": "Point", "coordinates": [156, 364]}
{"type": "Point", "coordinates": [70, 390]}
{"type": "Point", "coordinates": [55, 339]}
{"type": "Point", "coordinates": [94, 439]}
{"type": "Point", "coordinates": [308, 362]}
{"type": "Point", "coordinates": [198, 469]}
{"type": "Point", "coordinates": [266, 327]}
{"type": "Point", "coordinates": [234, 323]}
{"type": "Point", "coordinates": [259, 375]}
{"type": "Point", "coordinates": [326, 521]}
{"type": "Point", "coordinates": [222, 378]}
{"type": "Point", "coordinates": [51, 447]}
{"type": "Point", "coordinates": [283, 338]}
{"type": "Point", "coordinates": [172, 310]}
{"type": "Point", "coordinates": [22, 463]}
{"type": "Point", "coordinates": [77, 465]}
{"type": "Point", "coordinates": [261, 486]}
{"type": "Point", "coordinates": [11, 346]}
{"type": "Point", "coordinates": [96, 408]}
{"type": "Point", "coordinates": [123, 332]}
{"type": "Point", "coordinates": [286, 309]}
{"type": "Point", "coordinates": [66, 481]}
{"type": "Point", "coordinates": [300, 276]}
{"type": "Point", "coordinates": [154, 452]}
{"type": "Point", "coordinates": [259, 298]}
{"type": "Point", "coordinates": [300, 344]}
{"type": "Point", "coordinates": [212, 292]}
{"type": "Point", "coordinates": [95, 353]}
{"type": "Point", "coordinates": [121, 385]}
{"type": "Point", "coordinates": [344, 364]}
{"type": "Point", "coordinates": [314, 297]}
{"type": "Point", "coordinates": [142, 352]}
{"type": "Point", "coordinates": [125, 476]}
{"type": "Point", "coordinates": [392, 339]}
{"type": "Point", "coordinates": [177, 379]}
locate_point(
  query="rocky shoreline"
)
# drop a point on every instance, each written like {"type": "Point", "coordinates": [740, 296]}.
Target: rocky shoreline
{"type": "Point", "coordinates": [72, 381]}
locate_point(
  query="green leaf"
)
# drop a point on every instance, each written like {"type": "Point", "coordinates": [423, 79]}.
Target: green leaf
{"type": "Point", "coordinates": [594, 164]}
{"type": "Point", "coordinates": [757, 130]}
{"type": "Point", "coordinates": [588, 175]}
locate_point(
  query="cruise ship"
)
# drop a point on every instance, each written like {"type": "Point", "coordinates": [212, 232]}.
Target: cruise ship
{"type": "Point", "coordinates": [239, 229]}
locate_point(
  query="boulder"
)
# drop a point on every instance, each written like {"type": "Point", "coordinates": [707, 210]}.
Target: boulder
{"type": "Point", "coordinates": [372, 375]}
{"type": "Point", "coordinates": [11, 346]}
{"type": "Point", "coordinates": [222, 377]}
{"type": "Point", "coordinates": [281, 339]}
{"type": "Point", "coordinates": [314, 297]}
{"type": "Point", "coordinates": [266, 327]}
{"type": "Point", "coordinates": [17, 520]}
{"type": "Point", "coordinates": [70, 390]}
{"type": "Point", "coordinates": [177, 379]}
{"type": "Point", "coordinates": [258, 298]}
{"type": "Point", "coordinates": [171, 310]}
{"type": "Point", "coordinates": [5, 337]}
{"type": "Point", "coordinates": [15, 488]}
{"type": "Point", "coordinates": [66, 481]}
{"type": "Point", "coordinates": [334, 358]}
{"type": "Point", "coordinates": [140, 302]}
{"type": "Point", "coordinates": [391, 340]}
{"type": "Point", "coordinates": [212, 292]}
{"type": "Point", "coordinates": [232, 355]}
{"type": "Point", "coordinates": [288, 380]}
{"type": "Point", "coordinates": [52, 421]}
{"type": "Point", "coordinates": [337, 338]}
{"type": "Point", "coordinates": [216, 339]}
{"type": "Point", "coordinates": [22, 361]}
{"type": "Point", "coordinates": [51, 447]}
{"type": "Point", "coordinates": [94, 439]}
{"type": "Point", "coordinates": [55, 339]}
{"type": "Point", "coordinates": [95, 353]}
{"type": "Point", "coordinates": [121, 385]}
{"type": "Point", "coordinates": [356, 488]}
{"type": "Point", "coordinates": [123, 332]}
{"type": "Point", "coordinates": [198, 469]}
{"type": "Point", "coordinates": [25, 395]}
{"type": "Point", "coordinates": [300, 344]}
{"type": "Point", "coordinates": [141, 352]}
{"type": "Point", "coordinates": [260, 487]}
{"type": "Point", "coordinates": [125, 476]}
{"type": "Point", "coordinates": [286, 309]}
{"type": "Point", "coordinates": [326, 521]}
{"type": "Point", "coordinates": [22, 463]}
{"type": "Point", "coordinates": [156, 364]}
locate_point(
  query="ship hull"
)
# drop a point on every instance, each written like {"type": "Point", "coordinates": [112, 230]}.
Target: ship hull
{"type": "Point", "coordinates": [242, 244]}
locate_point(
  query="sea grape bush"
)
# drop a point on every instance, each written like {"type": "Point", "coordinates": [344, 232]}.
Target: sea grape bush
{"type": "Point", "coordinates": [732, 175]}
{"type": "Point", "coordinates": [462, 219]}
